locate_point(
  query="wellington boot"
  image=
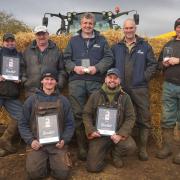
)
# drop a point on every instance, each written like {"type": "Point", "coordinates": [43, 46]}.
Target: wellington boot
{"type": "Point", "coordinates": [143, 139]}
{"type": "Point", "coordinates": [167, 137]}
{"type": "Point", "coordinates": [118, 163]}
{"type": "Point", "coordinates": [6, 138]}
{"type": "Point", "coordinates": [82, 143]}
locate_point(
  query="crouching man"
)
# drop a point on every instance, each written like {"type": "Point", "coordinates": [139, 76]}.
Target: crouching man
{"type": "Point", "coordinates": [109, 118]}
{"type": "Point", "coordinates": [47, 126]}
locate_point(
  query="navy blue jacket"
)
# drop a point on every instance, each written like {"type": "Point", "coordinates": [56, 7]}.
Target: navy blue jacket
{"type": "Point", "coordinates": [98, 52]}
{"type": "Point", "coordinates": [24, 123]}
{"type": "Point", "coordinates": [144, 62]}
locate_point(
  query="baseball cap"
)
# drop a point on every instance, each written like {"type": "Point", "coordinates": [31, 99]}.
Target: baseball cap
{"type": "Point", "coordinates": [8, 35]}
{"type": "Point", "coordinates": [40, 28]}
{"type": "Point", "coordinates": [113, 71]}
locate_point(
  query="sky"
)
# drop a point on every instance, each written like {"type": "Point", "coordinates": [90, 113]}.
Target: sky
{"type": "Point", "coordinates": [156, 16]}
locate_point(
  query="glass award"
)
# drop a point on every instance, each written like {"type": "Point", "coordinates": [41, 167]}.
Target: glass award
{"type": "Point", "coordinates": [106, 120]}
{"type": "Point", "coordinates": [10, 68]}
{"type": "Point", "coordinates": [85, 63]}
{"type": "Point", "coordinates": [48, 129]}
{"type": "Point", "coordinates": [167, 53]}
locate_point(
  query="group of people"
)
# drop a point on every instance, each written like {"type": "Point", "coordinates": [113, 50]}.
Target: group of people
{"type": "Point", "coordinates": [98, 77]}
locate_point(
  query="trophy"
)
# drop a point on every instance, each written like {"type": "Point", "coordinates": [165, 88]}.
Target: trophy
{"type": "Point", "coordinates": [106, 120]}
{"type": "Point", "coordinates": [48, 129]}
{"type": "Point", "coordinates": [167, 53]}
{"type": "Point", "coordinates": [85, 63]}
{"type": "Point", "coordinates": [10, 68]}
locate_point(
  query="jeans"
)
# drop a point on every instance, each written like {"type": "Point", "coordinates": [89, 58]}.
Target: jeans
{"type": "Point", "coordinates": [13, 107]}
{"type": "Point", "coordinates": [171, 105]}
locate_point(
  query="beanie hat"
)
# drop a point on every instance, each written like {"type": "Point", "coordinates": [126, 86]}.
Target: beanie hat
{"type": "Point", "coordinates": [177, 22]}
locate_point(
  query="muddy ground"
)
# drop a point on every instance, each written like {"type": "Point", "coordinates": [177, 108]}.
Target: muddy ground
{"type": "Point", "coordinates": [12, 167]}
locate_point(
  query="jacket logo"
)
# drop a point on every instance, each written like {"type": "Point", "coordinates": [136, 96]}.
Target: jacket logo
{"type": "Point", "coordinates": [96, 45]}
{"type": "Point", "coordinates": [140, 52]}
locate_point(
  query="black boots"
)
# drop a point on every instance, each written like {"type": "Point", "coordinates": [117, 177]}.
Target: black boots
{"type": "Point", "coordinates": [143, 139]}
{"type": "Point", "coordinates": [6, 146]}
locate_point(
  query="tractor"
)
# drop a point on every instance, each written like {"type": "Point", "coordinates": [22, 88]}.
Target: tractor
{"type": "Point", "coordinates": [70, 23]}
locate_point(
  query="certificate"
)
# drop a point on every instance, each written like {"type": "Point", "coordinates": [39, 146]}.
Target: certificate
{"type": "Point", "coordinates": [10, 68]}
{"type": "Point", "coordinates": [106, 120]}
{"type": "Point", "coordinates": [48, 129]}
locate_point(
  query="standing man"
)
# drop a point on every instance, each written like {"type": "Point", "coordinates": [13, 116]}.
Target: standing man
{"type": "Point", "coordinates": [87, 57]}
{"type": "Point", "coordinates": [44, 113]}
{"type": "Point", "coordinates": [135, 59]}
{"type": "Point", "coordinates": [9, 90]}
{"type": "Point", "coordinates": [40, 54]}
{"type": "Point", "coordinates": [109, 96]}
{"type": "Point", "coordinates": [171, 94]}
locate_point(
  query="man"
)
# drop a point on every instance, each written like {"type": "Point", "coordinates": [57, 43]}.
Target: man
{"type": "Point", "coordinates": [87, 57]}
{"type": "Point", "coordinates": [47, 102]}
{"type": "Point", "coordinates": [171, 94]}
{"type": "Point", "coordinates": [9, 90]}
{"type": "Point", "coordinates": [41, 53]}
{"type": "Point", "coordinates": [109, 96]}
{"type": "Point", "coordinates": [135, 59]}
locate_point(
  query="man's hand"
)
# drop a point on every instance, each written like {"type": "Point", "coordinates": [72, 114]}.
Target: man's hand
{"type": "Point", "coordinates": [92, 70]}
{"type": "Point", "coordinates": [60, 144]}
{"type": "Point", "coordinates": [173, 61]}
{"type": "Point", "coordinates": [116, 138]}
{"type": "Point", "coordinates": [36, 145]}
{"type": "Point", "coordinates": [2, 78]}
{"type": "Point", "coordinates": [79, 70]}
{"type": "Point", "coordinates": [94, 134]}
{"type": "Point", "coordinates": [166, 63]}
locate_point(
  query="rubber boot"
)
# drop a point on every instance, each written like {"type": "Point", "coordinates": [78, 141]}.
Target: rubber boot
{"type": "Point", "coordinates": [82, 143]}
{"type": "Point", "coordinates": [167, 138]}
{"type": "Point", "coordinates": [6, 138]}
{"type": "Point", "coordinates": [176, 158]}
{"type": "Point", "coordinates": [118, 162]}
{"type": "Point", "coordinates": [143, 139]}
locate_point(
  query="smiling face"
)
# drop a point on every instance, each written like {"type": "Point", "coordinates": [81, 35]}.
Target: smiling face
{"type": "Point", "coordinates": [42, 38]}
{"type": "Point", "coordinates": [9, 43]}
{"type": "Point", "coordinates": [112, 81]}
{"type": "Point", "coordinates": [48, 84]}
{"type": "Point", "coordinates": [129, 29]}
{"type": "Point", "coordinates": [87, 25]}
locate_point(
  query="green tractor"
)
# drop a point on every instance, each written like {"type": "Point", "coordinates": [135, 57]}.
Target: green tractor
{"type": "Point", "coordinates": [70, 23]}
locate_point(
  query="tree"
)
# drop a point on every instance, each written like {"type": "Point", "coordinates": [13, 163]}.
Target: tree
{"type": "Point", "coordinates": [10, 24]}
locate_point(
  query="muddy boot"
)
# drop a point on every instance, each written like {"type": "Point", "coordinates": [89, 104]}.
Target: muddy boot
{"type": "Point", "coordinates": [143, 139]}
{"type": "Point", "coordinates": [3, 152]}
{"type": "Point", "coordinates": [166, 150]}
{"type": "Point", "coordinates": [6, 138]}
{"type": "Point", "coordinates": [176, 159]}
{"type": "Point", "coordinates": [82, 143]}
{"type": "Point", "coordinates": [118, 162]}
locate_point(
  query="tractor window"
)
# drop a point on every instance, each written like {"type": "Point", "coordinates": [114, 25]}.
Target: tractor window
{"type": "Point", "coordinates": [101, 23]}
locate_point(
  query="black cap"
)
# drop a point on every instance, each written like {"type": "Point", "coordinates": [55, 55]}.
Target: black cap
{"type": "Point", "coordinates": [49, 72]}
{"type": "Point", "coordinates": [177, 22]}
{"type": "Point", "coordinates": [113, 71]}
{"type": "Point", "coordinates": [8, 36]}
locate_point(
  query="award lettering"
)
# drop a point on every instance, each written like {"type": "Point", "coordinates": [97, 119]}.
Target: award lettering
{"type": "Point", "coordinates": [106, 120]}
{"type": "Point", "coordinates": [48, 129]}
{"type": "Point", "coordinates": [10, 68]}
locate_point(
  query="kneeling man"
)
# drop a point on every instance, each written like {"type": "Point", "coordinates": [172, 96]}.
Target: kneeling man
{"type": "Point", "coordinates": [47, 126]}
{"type": "Point", "coordinates": [109, 118]}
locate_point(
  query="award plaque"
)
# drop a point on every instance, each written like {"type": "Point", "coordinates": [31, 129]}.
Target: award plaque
{"type": "Point", "coordinates": [106, 120]}
{"type": "Point", "coordinates": [10, 68]}
{"type": "Point", "coordinates": [167, 53]}
{"type": "Point", "coordinates": [48, 129]}
{"type": "Point", "coordinates": [85, 63]}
